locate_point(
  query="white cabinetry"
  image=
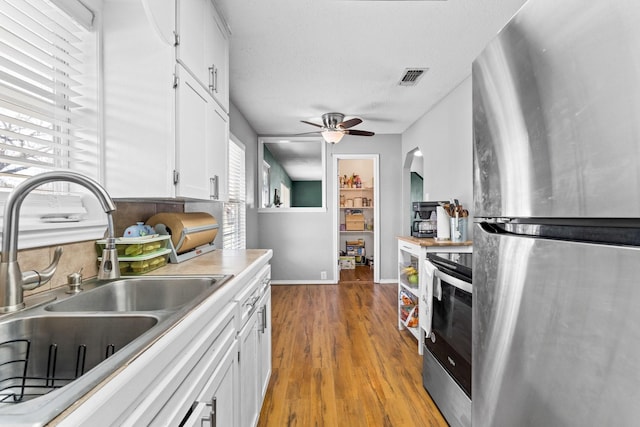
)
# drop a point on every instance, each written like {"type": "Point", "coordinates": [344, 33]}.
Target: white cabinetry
{"type": "Point", "coordinates": [255, 346]}
{"type": "Point", "coordinates": [203, 46]}
{"type": "Point", "coordinates": [412, 291]}
{"type": "Point", "coordinates": [200, 162]}
{"type": "Point", "coordinates": [409, 291]}
{"type": "Point", "coordinates": [264, 342]}
{"type": "Point", "coordinates": [248, 338]}
{"type": "Point", "coordinates": [217, 405]}
{"type": "Point", "coordinates": [166, 132]}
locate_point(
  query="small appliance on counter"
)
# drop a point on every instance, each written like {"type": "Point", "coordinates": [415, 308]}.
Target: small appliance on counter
{"type": "Point", "coordinates": [192, 233]}
{"type": "Point", "coordinates": [424, 219]}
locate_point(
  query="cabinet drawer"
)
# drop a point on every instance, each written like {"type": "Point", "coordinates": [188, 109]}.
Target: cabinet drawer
{"type": "Point", "coordinates": [408, 247]}
{"type": "Point", "coordinates": [247, 301]}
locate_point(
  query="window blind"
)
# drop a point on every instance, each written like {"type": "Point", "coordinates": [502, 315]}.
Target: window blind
{"type": "Point", "coordinates": [234, 216]}
{"type": "Point", "coordinates": [48, 88]}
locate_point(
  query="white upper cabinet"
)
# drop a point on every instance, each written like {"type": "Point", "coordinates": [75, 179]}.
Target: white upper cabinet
{"type": "Point", "coordinates": [201, 162]}
{"type": "Point", "coordinates": [203, 46]}
{"type": "Point", "coordinates": [218, 54]}
{"type": "Point", "coordinates": [166, 134]}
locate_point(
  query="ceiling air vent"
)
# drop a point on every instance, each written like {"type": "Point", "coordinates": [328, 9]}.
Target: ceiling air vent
{"type": "Point", "coordinates": [411, 76]}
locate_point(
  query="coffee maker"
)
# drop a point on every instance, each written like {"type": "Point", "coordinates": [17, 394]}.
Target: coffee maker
{"type": "Point", "coordinates": [422, 224]}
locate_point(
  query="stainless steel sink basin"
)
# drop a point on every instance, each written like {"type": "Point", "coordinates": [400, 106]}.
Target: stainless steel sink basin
{"type": "Point", "coordinates": [52, 355]}
{"type": "Point", "coordinates": [138, 294]}
{"type": "Point", "coordinates": [42, 353]}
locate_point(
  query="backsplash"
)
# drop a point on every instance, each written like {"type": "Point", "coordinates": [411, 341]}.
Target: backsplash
{"type": "Point", "coordinates": [83, 254]}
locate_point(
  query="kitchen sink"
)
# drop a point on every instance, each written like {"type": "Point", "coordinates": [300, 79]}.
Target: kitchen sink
{"type": "Point", "coordinates": [53, 353]}
{"type": "Point", "coordinates": [139, 294]}
{"type": "Point", "coordinates": [39, 354]}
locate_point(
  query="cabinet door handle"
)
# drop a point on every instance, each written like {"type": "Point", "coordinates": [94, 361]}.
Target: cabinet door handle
{"type": "Point", "coordinates": [212, 83]}
{"type": "Point", "coordinates": [212, 414]}
{"type": "Point", "coordinates": [263, 326]}
{"type": "Point", "coordinates": [215, 79]}
{"type": "Point", "coordinates": [215, 187]}
{"type": "Point", "coordinates": [252, 301]}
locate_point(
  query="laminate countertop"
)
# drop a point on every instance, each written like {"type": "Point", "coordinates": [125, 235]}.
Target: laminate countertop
{"type": "Point", "coordinates": [220, 261]}
{"type": "Point", "coordinates": [430, 241]}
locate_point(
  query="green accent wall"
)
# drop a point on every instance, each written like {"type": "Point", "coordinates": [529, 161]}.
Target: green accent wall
{"type": "Point", "coordinates": [277, 174]}
{"type": "Point", "coordinates": [306, 194]}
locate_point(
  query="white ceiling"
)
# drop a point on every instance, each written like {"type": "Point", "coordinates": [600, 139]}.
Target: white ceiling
{"type": "Point", "coordinates": [294, 60]}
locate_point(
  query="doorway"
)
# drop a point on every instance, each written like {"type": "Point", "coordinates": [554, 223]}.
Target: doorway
{"type": "Point", "coordinates": [412, 186]}
{"type": "Point", "coordinates": [356, 217]}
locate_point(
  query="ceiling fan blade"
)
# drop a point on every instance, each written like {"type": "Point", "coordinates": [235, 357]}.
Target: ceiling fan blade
{"type": "Point", "coordinates": [358, 132]}
{"type": "Point", "coordinates": [310, 123]}
{"type": "Point", "coordinates": [349, 123]}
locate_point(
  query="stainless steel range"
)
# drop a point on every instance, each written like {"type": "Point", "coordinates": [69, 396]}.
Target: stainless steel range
{"type": "Point", "coordinates": [446, 372]}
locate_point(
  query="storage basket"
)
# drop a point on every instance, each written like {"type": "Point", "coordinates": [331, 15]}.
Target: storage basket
{"type": "Point", "coordinates": [354, 222]}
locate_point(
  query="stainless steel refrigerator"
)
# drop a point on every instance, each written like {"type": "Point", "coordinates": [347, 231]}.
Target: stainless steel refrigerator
{"type": "Point", "coordinates": [556, 286]}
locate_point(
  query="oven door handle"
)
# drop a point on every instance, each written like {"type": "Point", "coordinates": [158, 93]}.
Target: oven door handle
{"type": "Point", "coordinates": [454, 281]}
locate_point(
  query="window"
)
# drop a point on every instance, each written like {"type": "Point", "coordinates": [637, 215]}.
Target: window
{"type": "Point", "coordinates": [48, 116]}
{"type": "Point", "coordinates": [48, 101]}
{"type": "Point", "coordinates": [234, 216]}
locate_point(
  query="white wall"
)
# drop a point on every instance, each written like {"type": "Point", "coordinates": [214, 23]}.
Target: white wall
{"type": "Point", "coordinates": [444, 135]}
{"type": "Point", "coordinates": [302, 243]}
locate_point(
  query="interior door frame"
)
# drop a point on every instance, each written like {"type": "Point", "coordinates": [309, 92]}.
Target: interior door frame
{"type": "Point", "coordinates": [376, 209]}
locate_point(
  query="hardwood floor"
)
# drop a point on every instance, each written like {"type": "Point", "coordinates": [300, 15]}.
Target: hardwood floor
{"type": "Point", "coordinates": [339, 360]}
{"type": "Point", "coordinates": [362, 273]}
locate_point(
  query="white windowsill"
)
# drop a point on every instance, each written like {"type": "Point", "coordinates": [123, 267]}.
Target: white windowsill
{"type": "Point", "coordinates": [36, 232]}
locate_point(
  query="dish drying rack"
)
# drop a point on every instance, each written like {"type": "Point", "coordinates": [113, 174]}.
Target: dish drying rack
{"type": "Point", "coordinates": [21, 381]}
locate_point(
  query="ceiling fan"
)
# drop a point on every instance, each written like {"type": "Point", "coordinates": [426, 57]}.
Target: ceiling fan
{"type": "Point", "coordinates": [334, 127]}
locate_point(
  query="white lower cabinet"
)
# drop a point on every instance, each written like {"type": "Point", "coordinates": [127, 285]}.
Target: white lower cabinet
{"type": "Point", "coordinates": [264, 342]}
{"type": "Point", "coordinates": [249, 409]}
{"type": "Point", "coordinates": [217, 405]}
{"type": "Point", "coordinates": [254, 340]}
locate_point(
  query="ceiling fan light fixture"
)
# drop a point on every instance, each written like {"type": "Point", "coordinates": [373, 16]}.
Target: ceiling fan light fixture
{"type": "Point", "coordinates": [332, 136]}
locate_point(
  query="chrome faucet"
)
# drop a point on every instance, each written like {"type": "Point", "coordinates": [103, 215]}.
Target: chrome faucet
{"type": "Point", "coordinates": [12, 281]}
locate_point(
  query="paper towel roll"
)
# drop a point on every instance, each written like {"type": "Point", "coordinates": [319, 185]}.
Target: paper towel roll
{"type": "Point", "coordinates": [188, 230]}
{"type": "Point", "coordinates": [443, 231]}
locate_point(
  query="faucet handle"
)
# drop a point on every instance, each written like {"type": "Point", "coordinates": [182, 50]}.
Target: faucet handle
{"type": "Point", "coordinates": [33, 279]}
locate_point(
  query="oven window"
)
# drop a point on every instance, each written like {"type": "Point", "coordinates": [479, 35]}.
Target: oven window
{"type": "Point", "coordinates": [452, 319]}
{"type": "Point", "coordinates": [450, 342]}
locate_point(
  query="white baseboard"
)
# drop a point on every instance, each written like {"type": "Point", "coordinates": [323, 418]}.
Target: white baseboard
{"type": "Point", "coordinates": [303, 282]}
{"type": "Point", "coordinates": [321, 282]}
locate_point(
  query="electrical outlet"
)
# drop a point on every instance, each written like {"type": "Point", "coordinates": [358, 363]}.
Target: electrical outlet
{"type": "Point", "coordinates": [323, 275]}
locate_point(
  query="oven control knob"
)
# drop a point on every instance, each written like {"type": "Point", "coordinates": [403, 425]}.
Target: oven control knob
{"type": "Point", "coordinates": [433, 337]}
